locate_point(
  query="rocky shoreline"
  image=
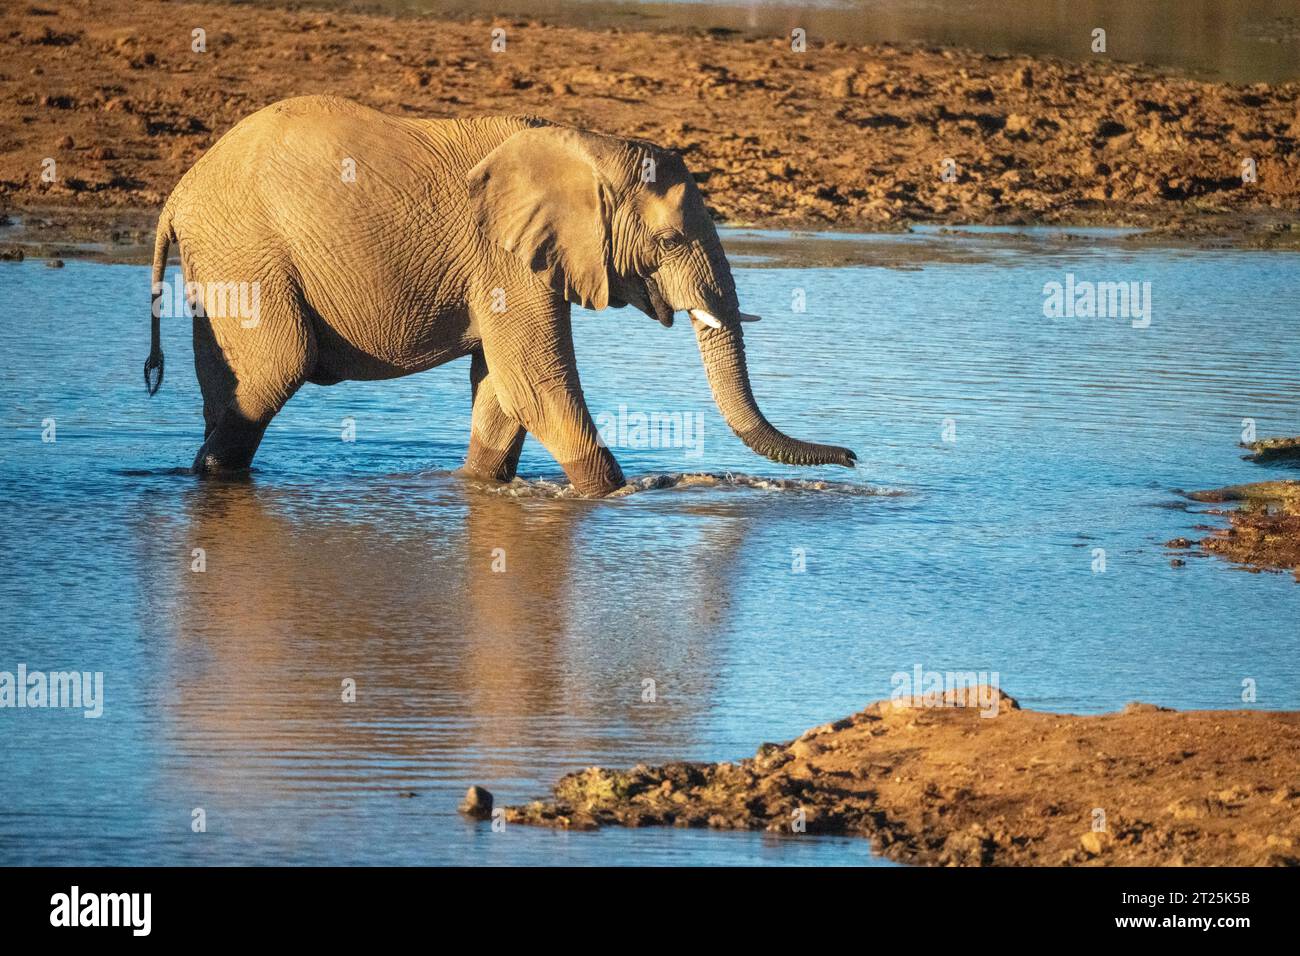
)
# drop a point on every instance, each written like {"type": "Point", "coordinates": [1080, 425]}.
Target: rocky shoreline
{"type": "Point", "coordinates": [837, 137]}
{"type": "Point", "coordinates": [1263, 532]}
{"type": "Point", "coordinates": [943, 785]}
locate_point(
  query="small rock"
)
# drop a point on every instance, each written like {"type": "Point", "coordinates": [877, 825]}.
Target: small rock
{"type": "Point", "coordinates": [1184, 809]}
{"type": "Point", "coordinates": [841, 82]}
{"type": "Point", "coordinates": [1095, 842]}
{"type": "Point", "coordinates": [817, 731]}
{"type": "Point", "coordinates": [477, 803]}
{"type": "Point", "coordinates": [54, 263]}
{"type": "Point", "coordinates": [804, 749]}
{"type": "Point", "coordinates": [781, 169]}
{"type": "Point", "coordinates": [1138, 707]}
{"type": "Point", "coordinates": [1018, 122]}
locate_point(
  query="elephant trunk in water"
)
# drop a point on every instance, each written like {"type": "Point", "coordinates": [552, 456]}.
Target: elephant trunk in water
{"type": "Point", "coordinates": [722, 347]}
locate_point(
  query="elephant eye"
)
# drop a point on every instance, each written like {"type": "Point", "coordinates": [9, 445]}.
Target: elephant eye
{"type": "Point", "coordinates": [669, 242]}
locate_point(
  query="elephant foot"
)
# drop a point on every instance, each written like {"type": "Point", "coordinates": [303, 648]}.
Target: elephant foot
{"type": "Point", "coordinates": [208, 465]}
{"type": "Point", "coordinates": [230, 446]}
{"type": "Point", "coordinates": [596, 475]}
{"type": "Point", "coordinates": [215, 470]}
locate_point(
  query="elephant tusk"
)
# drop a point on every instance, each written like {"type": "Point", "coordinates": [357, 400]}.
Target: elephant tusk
{"type": "Point", "coordinates": [746, 317]}
{"type": "Point", "coordinates": [701, 316]}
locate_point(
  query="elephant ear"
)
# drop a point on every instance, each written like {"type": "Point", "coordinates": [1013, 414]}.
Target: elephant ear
{"type": "Point", "coordinates": [540, 196]}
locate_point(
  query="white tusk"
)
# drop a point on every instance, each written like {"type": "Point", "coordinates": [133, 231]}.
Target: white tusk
{"type": "Point", "coordinates": [701, 316]}
{"type": "Point", "coordinates": [746, 317]}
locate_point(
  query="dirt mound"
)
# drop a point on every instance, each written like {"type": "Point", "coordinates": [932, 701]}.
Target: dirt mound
{"type": "Point", "coordinates": [945, 785]}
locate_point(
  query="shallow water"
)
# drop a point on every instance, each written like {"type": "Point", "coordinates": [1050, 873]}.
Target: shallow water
{"type": "Point", "coordinates": [370, 560]}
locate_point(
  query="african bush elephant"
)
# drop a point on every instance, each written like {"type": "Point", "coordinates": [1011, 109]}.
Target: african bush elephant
{"type": "Point", "coordinates": [378, 246]}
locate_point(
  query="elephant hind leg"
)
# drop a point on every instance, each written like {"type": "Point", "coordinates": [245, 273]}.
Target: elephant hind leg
{"type": "Point", "coordinates": [241, 397]}
{"type": "Point", "coordinates": [495, 438]}
{"type": "Point", "coordinates": [236, 428]}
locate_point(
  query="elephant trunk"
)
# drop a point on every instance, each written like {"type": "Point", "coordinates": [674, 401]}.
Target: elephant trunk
{"type": "Point", "coordinates": [723, 351]}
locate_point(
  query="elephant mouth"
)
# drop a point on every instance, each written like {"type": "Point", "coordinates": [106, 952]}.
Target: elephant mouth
{"type": "Point", "coordinates": [658, 304]}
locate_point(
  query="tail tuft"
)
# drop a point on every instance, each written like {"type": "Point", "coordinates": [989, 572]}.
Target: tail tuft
{"type": "Point", "coordinates": [153, 364]}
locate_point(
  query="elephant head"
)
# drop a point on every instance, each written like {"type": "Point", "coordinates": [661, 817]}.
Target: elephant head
{"type": "Point", "coordinates": [606, 221]}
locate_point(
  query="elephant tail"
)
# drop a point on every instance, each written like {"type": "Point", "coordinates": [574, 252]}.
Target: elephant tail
{"type": "Point", "coordinates": [153, 365]}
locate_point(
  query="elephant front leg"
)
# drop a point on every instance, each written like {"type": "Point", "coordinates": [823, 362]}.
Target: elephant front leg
{"type": "Point", "coordinates": [570, 436]}
{"type": "Point", "coordinates": [495, 438]}
{"type": "Point", "coordinates": [558, 417]}
{"type": "Point", "coordinates": [548, 400]}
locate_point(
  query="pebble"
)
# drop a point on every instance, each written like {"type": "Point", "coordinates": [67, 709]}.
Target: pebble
{"type": "Point", "coordinates": [1095, 841]}
{"type": "Point", "coordinates": [803, 749]}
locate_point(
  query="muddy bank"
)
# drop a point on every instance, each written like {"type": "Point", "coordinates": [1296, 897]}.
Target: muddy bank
{"type": "Point", "coordinates": [1263, 532]}
{"type": "Point", "coordinates": [845, 137]}
{"type": "Point", "coordinates": [944, 785]}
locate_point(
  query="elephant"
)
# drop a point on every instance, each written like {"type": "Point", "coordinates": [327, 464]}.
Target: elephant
{"type": "Point", "coordinates": [378, 246]}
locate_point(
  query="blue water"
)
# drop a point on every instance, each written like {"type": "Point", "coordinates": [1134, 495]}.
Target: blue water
{"type": "Point", "coordinates": [369, 560]}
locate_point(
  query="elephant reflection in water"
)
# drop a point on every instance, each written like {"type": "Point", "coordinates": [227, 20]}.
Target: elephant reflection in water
{"type": "Point", "coordinates": [484, 639]}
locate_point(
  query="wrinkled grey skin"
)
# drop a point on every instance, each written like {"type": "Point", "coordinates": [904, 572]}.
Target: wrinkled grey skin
{"type": "Point", "coordinates": [453, 238]}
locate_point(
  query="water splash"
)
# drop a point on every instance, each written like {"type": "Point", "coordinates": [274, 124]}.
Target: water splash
{"type": "Point", "coordinates": [543, 488]}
